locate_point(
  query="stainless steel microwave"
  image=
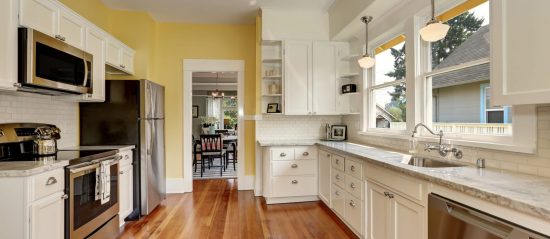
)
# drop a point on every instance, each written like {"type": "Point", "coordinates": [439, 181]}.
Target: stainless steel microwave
{"type": "Point", "coordinates": [48, 65]}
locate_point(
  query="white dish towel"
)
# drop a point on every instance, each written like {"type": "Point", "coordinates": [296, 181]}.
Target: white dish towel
{"type": "Point", "coordinates": [103, 182]}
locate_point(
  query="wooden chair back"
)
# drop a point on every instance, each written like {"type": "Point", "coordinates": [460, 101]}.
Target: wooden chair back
{"type": "Point", "coordinates": [211, 143]}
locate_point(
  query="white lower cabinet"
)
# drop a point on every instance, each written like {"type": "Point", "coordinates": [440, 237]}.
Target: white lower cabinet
{"type": "Point", "coordinates": [324, 177]}
{"type": "Point", "coordinates": [390, 215]}
{"type": "Point", "coordinates": [47, 217]}
{"type": "Point", "coordinates": [126, 188]}
{"type": "Point", "coordinates": [33, 206]}
{"type": "Point", "coordinates": [290, 174]}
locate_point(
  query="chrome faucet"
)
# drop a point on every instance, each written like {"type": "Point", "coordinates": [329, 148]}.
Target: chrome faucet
{"type": "Point", "coordinates": [442, 149]}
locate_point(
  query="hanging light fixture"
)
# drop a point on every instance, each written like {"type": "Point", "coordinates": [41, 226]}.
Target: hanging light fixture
{"type": "Point", "coordinates": [217, 93]}
{"type": "Point", "coordinates": [367, 61]}
{"type": "Point", "coordinates": [434, 30]}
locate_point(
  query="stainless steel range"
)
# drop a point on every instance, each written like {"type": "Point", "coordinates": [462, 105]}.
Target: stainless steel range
{"type": "Point", "coordinates": [91, 178]}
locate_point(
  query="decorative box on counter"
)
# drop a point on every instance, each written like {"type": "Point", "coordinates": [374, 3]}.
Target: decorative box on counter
{"type": "Point", "coordinates": [349, 88]}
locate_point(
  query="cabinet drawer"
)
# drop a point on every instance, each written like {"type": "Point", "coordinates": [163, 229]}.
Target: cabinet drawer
{"type": "Point", "coordinates": [338, 178]}
{"type": "Point", "coordinates": [412, 188]}
{"type": "Point", "coordinates": [354, 186]}
{"type": "Point", "coordinates": [292, 186]}
{"type": "Point", "coordinates": [47, 183]}
{"type": "Point", "coordinates": [338, 162]}
{"type": "Point", "coordinates": [354, 168]}
{"type": "Point", "coordinates": [282, 154]}
{"type": "Point", "coordinates": [305, 152]}
{"type": "Point", "coordinates": [295, 167]}
{"type": "Point", "coordinates": [126, 158]}
{"type": "Point", "coordinates": [354, 213]}
{"type": "Point", "coordinates": [337, 200]}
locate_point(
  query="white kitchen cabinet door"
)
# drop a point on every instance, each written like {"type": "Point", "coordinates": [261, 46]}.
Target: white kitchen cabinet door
{"type": "Point", "coordinates": [40, 15]}
{"type": "Point", "coordinates": [95, 45]}
{"type": "Point", "coordinates": [127, 61]}
{"type": "Point", "coordinates": [324, 177]}
{"type": "Point", "coordinates": [324, 79]}
{"type": "Point", "coordinates": [297, 63]}
{"type": "Point", "coordinates": [114, 53]}
{"type": "Point", "coordinates": [47, 217]}
{"type": "Point", "coordinates": [408, 219]}
{"type": "Point", "coordinates": [519, 52]}
{"type": "Point", "coordinates": [71, 28]}
{"type": "Point", "coordinates": [126, 192]}
{"type": "Point", "coordinates": [378, 212]}
{"type": "Point", "coordinates": [8, 44]}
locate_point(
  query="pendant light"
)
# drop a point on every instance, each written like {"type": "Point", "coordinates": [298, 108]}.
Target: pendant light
{"type": "Point", "coordinates": [434, 30]}
{"type": "Point", "coordinates": [217, 93]}
{"type": "Point", "coordinates": [367, 61]}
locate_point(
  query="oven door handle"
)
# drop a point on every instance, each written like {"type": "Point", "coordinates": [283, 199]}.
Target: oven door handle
{"type": "Point", "coordinates": [93, 164]}
{"type": "Point", "coordinates": [86, 166]}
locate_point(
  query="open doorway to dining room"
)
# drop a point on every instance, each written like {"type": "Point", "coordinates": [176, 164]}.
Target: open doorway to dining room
{"type": "Point", "coordinates": [213, 120]}
{"type": "Point", "coordinates": [215, 124]}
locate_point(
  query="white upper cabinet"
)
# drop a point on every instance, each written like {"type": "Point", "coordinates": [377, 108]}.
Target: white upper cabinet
{"type": "Point", "coordinates": [40, 15]}
{"type": "Point", "coordinates": [71, 29]}
{"type": "Point", "coordinates": [324, 89]}
{"type": "Point", "coordinates": [297, 58]}
{"type": "Point", "coordinates": [8, 44]}
{"type": "Point", "coordinates": [119, 57]}
{"type": "Point", "coordinates": [95, 45]}
{"type": "Point", "coordinates": [127, 60]}
{"type": "Point", "coordinates": [519, 52]}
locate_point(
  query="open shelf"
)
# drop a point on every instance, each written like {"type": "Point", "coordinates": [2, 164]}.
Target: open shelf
{"type": "Point", "coordinates": [348, 75]}
{"type": "Point", "coordinates": [272, 77]}
{"type": "Point", "coordinates": [351, 93]}
{"type": "Point", "coordinates": [272, 60]}
{"type": "Point", "coordinates": [272, 95]}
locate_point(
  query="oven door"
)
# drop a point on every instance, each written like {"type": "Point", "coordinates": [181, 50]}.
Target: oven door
{"type": "Point", "coordinates": [86, 214]}
{"type": "Point", "coordinates": [46, 62]}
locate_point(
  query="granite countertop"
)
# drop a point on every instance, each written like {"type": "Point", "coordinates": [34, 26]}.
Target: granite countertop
{"type": "Point", "coordinates": [28, 168]}
{"type": "Point", "coordinates": [302, 142]}
{"type": "Point", "coordinates": [525, 193]}
{"type": "Point", "coordinates": [120, 148]}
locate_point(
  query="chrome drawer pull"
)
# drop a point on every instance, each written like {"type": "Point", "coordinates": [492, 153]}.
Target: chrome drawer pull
{"type": "Point", "coordinates": [121, 172]}
{"type": "Point", "coordinates": [51, 181]}
{"type": "Point", "coordinates": [352, 185]}
{"type": "Point", "coordinates": [390, 195]}
{"type": "Point", "coordinates": [294, 166]}
{"type": "Point", "coordinates": [328, 155]}
{"type": "Point", "coordinates": [352, 168]}
{"type": "Point", "coordinates": [126, 157]}
{"type": "Point", "coordinates": [386, 194]}
{"type": "Point", "coordinates": [282, 155]}
{"type": "Point", "coordinates": [337, 161]}
{"type": "Point", "coordinates": [337, 176]}
{"type": "Point", "coordinates": [65, 197]}
{"type": "Point", "coordinates": [352, 203]}
{"type": "Point", "coordinates": [305, 154]}
{"type": "Point", "coordinates": [294, 181]}
{"type": "Point", "coordinates": [337, 193]}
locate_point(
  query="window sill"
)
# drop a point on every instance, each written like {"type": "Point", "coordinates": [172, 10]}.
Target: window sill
{"type": "Point", "coordinates": [458, 142]}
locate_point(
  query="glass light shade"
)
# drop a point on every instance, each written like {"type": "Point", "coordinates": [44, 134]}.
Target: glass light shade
{"type": "Point", "coordinates": [366, 62]}
{"type": "Point", "coordinates": [434, 31]}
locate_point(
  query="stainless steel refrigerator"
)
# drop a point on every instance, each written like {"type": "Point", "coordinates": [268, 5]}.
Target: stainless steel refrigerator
{"type": "Point", "coordinates": [132, 114]}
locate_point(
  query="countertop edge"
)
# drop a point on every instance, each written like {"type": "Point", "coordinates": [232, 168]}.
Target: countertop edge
{"type": "Point", "coordinates": [33, 171]}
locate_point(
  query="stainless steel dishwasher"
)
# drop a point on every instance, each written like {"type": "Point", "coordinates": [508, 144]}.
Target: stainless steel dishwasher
{"type": "Point", "coordinates": [451, 220]}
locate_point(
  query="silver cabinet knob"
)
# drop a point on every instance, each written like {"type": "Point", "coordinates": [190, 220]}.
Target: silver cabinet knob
{"type": "Point", "coordinates": [65, 197]}
{"type": "Point", "coordinates": [294, 181]}
{"type": "Point", "coordinates": [337, 161]}
{"type": "Point", "coordinates": [305, 154]}
{"type": "Point", "coordinates": [352, 185]}
{"type": "Point", "coordinates": [51, 181]}
{"type": "Point", "coordinates": [352, 168]}
{"type": "Point", "coordinates": [390, 195]}
{"type": "Point", "coordinates": [282, 155]}
{"type": "Point", "coordinates": [337, 176]}
{"type": "Point", "coordinates": [352, 203]}
{"type": "Point", "coordinates": [328, 155]}
{"type": "Point", "coordinates": [337, 193]}
{"type": "Point", "coordinates": [294, 165]}
{"type": "Point", "coordinates": [121, 172]}
{"type": "Point", "coordinates": [126, 156]}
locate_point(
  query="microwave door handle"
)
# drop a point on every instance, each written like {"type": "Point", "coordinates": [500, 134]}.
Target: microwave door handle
{"type": "Point", "coordinates": [85, 72]}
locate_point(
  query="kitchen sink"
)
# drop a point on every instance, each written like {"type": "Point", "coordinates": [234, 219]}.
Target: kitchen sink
{"type": "Point", "coordinates": [432, 163]}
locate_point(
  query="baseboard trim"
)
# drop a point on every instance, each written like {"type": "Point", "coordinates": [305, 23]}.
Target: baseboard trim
{"type": "Point", "coordinates": [246, 182]}
{"type": "Point", "coordinates": [291, 199]}
{"type": "Point", "coordinates": [175, 185]}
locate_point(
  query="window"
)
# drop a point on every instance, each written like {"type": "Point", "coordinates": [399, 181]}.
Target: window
{"type": "Point", "coordinates": [387, 88]}
{"type": "Point", "coordinates": [460, 74]}
{"type": "Point", "coordinates": [230, 112]}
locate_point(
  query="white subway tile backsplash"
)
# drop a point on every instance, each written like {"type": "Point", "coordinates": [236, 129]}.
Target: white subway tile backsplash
{"type": "Point", "coordinates": [32, 108]}
{"type": "Point", "coordinates": [278, 127]}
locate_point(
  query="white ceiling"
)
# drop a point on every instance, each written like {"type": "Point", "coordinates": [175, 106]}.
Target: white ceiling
{"type": "Point", "coordinates": [213, 11]}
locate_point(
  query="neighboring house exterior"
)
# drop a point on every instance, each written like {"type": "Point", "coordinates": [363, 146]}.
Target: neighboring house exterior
{"type": "Point", "coordinates": [383, 117]}
{"type": "Point", "coordinates": [463, 96]}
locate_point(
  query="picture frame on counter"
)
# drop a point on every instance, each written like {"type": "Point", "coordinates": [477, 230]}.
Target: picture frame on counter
{"type": "Point", "coordinates": [338, 132]}
{"type": "Point", "coordinates": [195, 111]}
{"type": "Point", "coordinates": [273, 108]}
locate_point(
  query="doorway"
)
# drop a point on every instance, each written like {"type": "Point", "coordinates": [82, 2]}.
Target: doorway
{"type": "Point", "coordinates": [208, 85]}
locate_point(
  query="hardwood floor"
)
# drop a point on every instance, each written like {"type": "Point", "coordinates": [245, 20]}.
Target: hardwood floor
{"type": "Point", "coordinates": [216, 209]}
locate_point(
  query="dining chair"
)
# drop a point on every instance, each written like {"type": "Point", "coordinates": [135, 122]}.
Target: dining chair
{"type": "Point", "coordinates": [231, 151]}
{"type": "Point", "coordinates": [212, 147]}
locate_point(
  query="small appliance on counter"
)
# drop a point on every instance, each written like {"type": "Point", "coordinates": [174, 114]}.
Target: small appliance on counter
{"type": "Point", "coordinates": [349, 88]}
{"type": "Point", "coordinates": [335, 132]}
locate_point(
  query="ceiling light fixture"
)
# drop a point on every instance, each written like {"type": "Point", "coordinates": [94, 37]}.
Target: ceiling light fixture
{"type": "Point", "coordinates": [217, 93]}
{"type": "Point", "coordinates": [434, 30]}
{"type": "Point", "coordinates": [367, 61]}
{"type": "Point", "coordinates": [252, 3]}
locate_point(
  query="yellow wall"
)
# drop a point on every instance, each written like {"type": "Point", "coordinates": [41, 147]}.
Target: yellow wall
{"type": "Point", "coordinates": [160, 50]}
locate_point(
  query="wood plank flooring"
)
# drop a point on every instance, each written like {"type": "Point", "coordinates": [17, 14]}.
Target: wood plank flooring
{"type": "Point", "coordinates": [216, 209]}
